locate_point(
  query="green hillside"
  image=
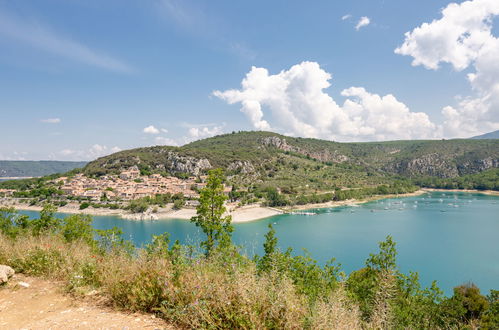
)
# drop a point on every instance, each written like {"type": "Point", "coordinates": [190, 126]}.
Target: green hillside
{"type": "Point", "coordinates": [302, 164]}
{"type": "Point", "coordinates": [28, 168]}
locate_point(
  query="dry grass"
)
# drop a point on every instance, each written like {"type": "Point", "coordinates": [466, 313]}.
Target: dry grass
{"type": "Point", "coordinates": [200, 293]}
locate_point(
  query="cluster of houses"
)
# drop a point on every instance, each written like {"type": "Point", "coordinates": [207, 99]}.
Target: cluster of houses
{"type": "Point", "coordinates": [130, 185]}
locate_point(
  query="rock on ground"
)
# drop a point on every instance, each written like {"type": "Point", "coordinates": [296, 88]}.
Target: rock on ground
{"type": "Point", "coordinates": [6, 272]}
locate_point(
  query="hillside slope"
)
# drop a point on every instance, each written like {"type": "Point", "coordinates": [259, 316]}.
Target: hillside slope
{"type": "Point", "coordinates": [301, 163]}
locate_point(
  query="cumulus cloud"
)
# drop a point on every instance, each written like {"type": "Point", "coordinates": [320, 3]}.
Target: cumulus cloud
{"type": "Point", "coordinates": [51, 121]}
{"type": "Point", "coordinates": [363, 21]}
{"type": "Point", "coordinates": [150, 130]}
{"type": "Point", "coordinates": [193, 132]}
{"type": "Point", "coordinates": [91, 153]}
{"type": "Point", "coordinates": [463, 38]}
{"type": "Point", "coordinates": [160, 140]}
{"type": "Point", "coordinates": [297, 102]}
{"type": "Point", "coordinates": [196, 133]}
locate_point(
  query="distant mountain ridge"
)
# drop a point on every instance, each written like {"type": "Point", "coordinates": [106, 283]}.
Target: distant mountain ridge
{"type": "Point", "coordinates": [490, 135]}
{"type": "Point", "coordinates": [29, 168]}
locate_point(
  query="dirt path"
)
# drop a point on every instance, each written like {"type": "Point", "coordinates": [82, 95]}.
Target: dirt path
{"type": "Point", "coordinates": [43, 305]}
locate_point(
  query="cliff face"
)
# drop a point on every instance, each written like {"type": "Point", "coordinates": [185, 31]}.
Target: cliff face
{"type": "Point", "coordinates": [426, 165]}
{"type": "Point", "coordinates": [325, 155]}
{"type": "Point", "coordinates": [477, 165]}
{"type": "Point", "coordinates": [443, 167]}
{"type": "Point", "coordinates": [186, 164]}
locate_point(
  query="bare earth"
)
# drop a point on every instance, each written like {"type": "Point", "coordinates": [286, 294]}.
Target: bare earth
{"type": "Point", "coordinates": [241, 214]}
{"type": "Point", "coordinates": [43, 306]}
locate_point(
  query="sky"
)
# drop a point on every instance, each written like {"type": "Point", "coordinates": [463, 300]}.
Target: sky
{"type": "Point", "coordinates": [80, 79]}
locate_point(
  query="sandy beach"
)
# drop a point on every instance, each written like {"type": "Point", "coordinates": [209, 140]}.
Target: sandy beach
{"type": "Point", "coordinates": [241, 214]}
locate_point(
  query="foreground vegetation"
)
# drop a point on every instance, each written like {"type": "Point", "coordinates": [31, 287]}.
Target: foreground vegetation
{"type": "Point", "coordinates": [214, 286]}
{"type": "Point", "coordinates": [225, 289]}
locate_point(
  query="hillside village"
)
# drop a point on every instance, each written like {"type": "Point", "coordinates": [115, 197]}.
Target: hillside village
{"type": "Point", "coordinates": [130, 185]}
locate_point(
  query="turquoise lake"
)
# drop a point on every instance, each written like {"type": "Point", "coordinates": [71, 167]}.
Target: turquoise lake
{"type": "Point", "coordinates": [449, 237]}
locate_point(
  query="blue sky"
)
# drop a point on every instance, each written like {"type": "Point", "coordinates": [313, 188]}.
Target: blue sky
{"type": "Point", "coordinates": [79, 79]}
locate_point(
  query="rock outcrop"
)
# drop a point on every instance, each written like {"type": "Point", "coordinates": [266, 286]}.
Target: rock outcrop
{"type": "Point", "coordinates": [187, 164]}
{"type": "Point", "coordinates": [477, 165]}
{"type": "Point", "coordinates": [243, 167]}
{"type": "Point", "coordinates": [324, 155]}
{"type": "Point", "coordinates": [6, 272]}
{"type": "Point", "coordinates": [443, 167]}
{"type": "Point", "coordinates": [184, 164]}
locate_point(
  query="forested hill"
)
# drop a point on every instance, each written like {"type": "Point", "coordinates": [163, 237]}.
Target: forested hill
{"type": "Point", "coordinates": [289, 162]}
{"type": "Point", "coordinates": [28, 168]}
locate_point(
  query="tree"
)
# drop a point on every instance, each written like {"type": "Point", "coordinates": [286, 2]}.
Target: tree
{"type": "Point", "coordinates": [210, 212]}
{"type": "Point", "coordinates": [274, 198]}
{"type": "Point", "coordinates": [11, 222]}
{"type": "Point", "coordinates": [178, 204]}
{"type": "Point", "coordinates": [270, 248]}
{"type": "Point", "coordinates": [77, 226]}
{"type": "Point", "coordinates": [47, 220]}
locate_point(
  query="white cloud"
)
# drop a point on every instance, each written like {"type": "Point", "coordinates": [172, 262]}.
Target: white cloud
{"type": "Point", "coordinates": [345, 17]}
{"type": "Point", "coordinates": [463, 38]}
{"type": "Point", "coordinates": [44, 38]}
{"type": "Point", "coordinates": [91, 153]}
{"type": "Point", "coordinates": [204, 132]}
{"type": "Point", "coordinates": [15, 155]}
{"type": "Point", "coordinates": [297, 102]}
{"type": "Point", "coordinates": [160, 140]}
{"type": "Point", "coordinates": [363, 21]}
{"type": "Point", "coordinates": [51, 120]}
{"type": "Point", "coordinates": [164, 130]}
{"type": "Point", "coordinates": [150, 130]}
{"type": "Point", "coordinates": [194, 132]}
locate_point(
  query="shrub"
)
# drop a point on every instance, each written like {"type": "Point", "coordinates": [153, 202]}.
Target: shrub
{"type": "Point", "coordinates": [178, 204]}
{"type": "Point", "coordinates": [84, 205]}
{"type": "Point", "coordinates": [138, 206]}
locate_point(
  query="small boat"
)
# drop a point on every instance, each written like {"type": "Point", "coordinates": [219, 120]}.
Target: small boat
{"type": "Point", "coordinates": [303, 213]}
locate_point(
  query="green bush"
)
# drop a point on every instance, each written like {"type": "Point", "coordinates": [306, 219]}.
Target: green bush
{"type": "Point", "coordinates": [84, 205]}
{"type": "Point", "coordinates": [178, 204]}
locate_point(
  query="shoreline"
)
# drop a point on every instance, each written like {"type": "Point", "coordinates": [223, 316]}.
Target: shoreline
{"type": "Point", "coordinates": [242, 214]}
{"type": "Point", "coordinates": [247, 213]}
{"type": "Point", "coordinates": [350, 202]}
{"type": "Point", "coordinates": [475, 191]}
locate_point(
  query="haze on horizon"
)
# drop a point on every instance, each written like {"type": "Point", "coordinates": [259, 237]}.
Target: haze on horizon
{"type": "Point", "coordinates": [84, 79]}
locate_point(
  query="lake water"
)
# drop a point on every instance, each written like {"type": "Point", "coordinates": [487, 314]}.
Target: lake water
{"type": "Point", "coordinates": [449, 237]}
